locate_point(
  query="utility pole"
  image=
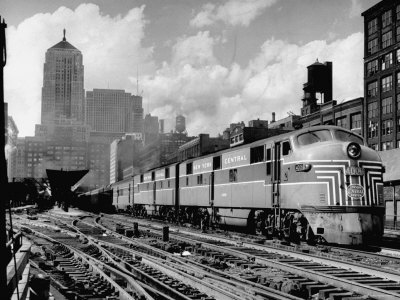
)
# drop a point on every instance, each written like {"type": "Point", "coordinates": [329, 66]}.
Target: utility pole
{"type": "Point", "coordinates": [3, 164]}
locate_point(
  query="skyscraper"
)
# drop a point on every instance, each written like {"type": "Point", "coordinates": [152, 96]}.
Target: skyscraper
{"type": "Point", "coordinates": [63, 91]}
{"type": "Point", "coordinates": [114, 111]}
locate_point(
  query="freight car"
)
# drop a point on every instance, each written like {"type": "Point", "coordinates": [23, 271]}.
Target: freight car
{"type": "Point", "coordinates": [314, 183]}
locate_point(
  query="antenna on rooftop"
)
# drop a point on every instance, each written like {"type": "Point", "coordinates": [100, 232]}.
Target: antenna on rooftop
{"type": "Point", "coordinates": [137, 80]}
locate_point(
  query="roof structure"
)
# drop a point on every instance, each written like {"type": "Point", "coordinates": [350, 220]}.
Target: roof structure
{"type": "Point", "coordinates": [63, 44]}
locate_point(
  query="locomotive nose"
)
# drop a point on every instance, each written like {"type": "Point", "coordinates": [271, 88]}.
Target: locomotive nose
{"type": "Point", "coordinates": [354, 150]}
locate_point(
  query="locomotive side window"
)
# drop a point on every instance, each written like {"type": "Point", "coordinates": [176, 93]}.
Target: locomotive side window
{"type": "Point", "coordinates": [312, 137]}
{"type": "Point", "coordinates": [233, 175]}
{"type": "Point", "coordinates": [200, 179]}
{"type": "Point", "coordinates": [189, 168]}
{"type": "Point", "coordinates": [345, 136]}
{"type": "Point", "coordinates": [187, 180]}
{"type": "Point", "coordinates": [166, 172]}
{"type": "Point", "coordinates": [268, 159]}
{"type": "Point", "coordinates": [153, 176]}
{"type": "Point", "coordinates": [257, 154]}
{"type": "Point", "coordinates": [286, 150]}
{"type": "Point", "coordinates": [141, 178]}
{"type": "Point", "coordinates": [217, 162]}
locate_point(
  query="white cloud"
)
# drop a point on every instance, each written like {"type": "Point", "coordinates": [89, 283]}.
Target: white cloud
{"type": "Point", "coordinates": [111, 49]}
{"type": "Point", "coordinates": [212, 96]}
{"type": "Point", "coordinates": [233, 12]}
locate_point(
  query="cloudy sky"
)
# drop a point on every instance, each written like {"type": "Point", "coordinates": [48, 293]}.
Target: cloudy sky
{"type": "Point", "coordinates": [216, 62]}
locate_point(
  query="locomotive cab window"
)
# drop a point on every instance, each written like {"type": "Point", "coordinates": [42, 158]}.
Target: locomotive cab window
{"type": "Point", "coordinates": [141, 178]}
{"type": "Point", "coordinates": [286, 149]}
{"type": "Point", "coordinates": [153, 176]}
{"type": "Point", "coordinates": [257, 154]}
{"type": "Point", "coordinates": [315, 136]}
{"type": "Point", "coordinates": [346, 136]}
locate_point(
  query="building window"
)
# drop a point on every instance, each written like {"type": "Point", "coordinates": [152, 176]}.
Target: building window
{"type": "Point", "coordinates": [372, 26]}
{"type": "Point", "coordinates": [387, 127]}
{"type": "Point", "coordinates": [387, 105]}
{"type": "Point", "coordinates": [355, 120]}
{"type": "Point", "coordinates": [387, 61]}
{"type": "Point", "coordinates": [386, 39]}
{"type": "Point", "coordinates": [342, 122]}
{"type": "Point", "coordinates": [398, 12]}
{"type": "Point", "coordinates": [398, 34]}
{"type": "Point", "coordinates": [386, 18]}
{"type": "Point", "coordinates": [372, 89]}
{"type": "Point", "coordinates": [233, 175]}
{"type": "Point", "coordinates": [372, 46]}
{"type": "Point", "coordinates": [398, 124]}
{"type": "Point", "coordinates": [372, 129]}
{"type": "Point", "coordinates": [372, 67]}
{"type": "Point", "coordinates": [387, 145]}
{"type": "Point", "coordinates": [398, 102]}
{"type": "Point", "coordinates": [386, 83]}
{"type": "Point", "coordinates": [372, 110]}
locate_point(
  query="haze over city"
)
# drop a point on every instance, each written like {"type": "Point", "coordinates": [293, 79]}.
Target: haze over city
{"type": "Point", "coordinates": [214, 62]}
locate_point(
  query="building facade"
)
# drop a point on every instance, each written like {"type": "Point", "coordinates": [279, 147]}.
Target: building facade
{"type": "Point", "coordinates": [151, 129]}
{"type": "Point", "coordinates": [63, 90]}
{"type": "Point", "coordinates": [201, 145]}
{"type": "Point", "coordinates": [382, 75]}
{"type": "Point", "coordinates": [116, 111]}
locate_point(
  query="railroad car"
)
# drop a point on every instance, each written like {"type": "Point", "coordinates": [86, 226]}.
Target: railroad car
{"type": "Point", "coordinates": [97, 200]}
{"type": "Point", "coordinates": [318, 183]}
{"type": "Point", "coordinates": [122, 195]}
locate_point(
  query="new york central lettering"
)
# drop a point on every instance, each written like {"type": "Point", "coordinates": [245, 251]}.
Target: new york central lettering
{"type": "Point", "coordinates": [202, 166]}
{"type": "Point", "coordinates": [234, 159]}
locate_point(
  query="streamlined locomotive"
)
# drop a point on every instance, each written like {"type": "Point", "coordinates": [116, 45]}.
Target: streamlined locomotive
{"type": "Point", "coordinates": [320, 183]}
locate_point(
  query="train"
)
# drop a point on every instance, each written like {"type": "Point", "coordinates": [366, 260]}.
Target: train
{"type": "Point", "coordinates": [320, 184]}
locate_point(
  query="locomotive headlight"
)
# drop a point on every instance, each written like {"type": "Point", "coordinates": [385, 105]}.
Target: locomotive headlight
{"type": "Point", "coordinates": [354, 150]}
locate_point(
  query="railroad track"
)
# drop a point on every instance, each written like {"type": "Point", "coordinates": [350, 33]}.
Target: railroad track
{"type": "Point", "coordinates": [312, 272]}
{"type": "Point", "coordinates": [160, 278]}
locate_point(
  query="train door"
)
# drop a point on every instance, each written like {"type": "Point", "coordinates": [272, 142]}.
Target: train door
{"type": "Point", "coordinates": [276, 181]}
{"type": "Point", "coordinates": [211, 194]}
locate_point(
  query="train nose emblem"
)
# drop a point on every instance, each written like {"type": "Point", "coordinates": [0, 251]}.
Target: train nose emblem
{"type": "Point", "coordinates": [354, 150]}
{"type": "Point", "coordinates": [355, 191]}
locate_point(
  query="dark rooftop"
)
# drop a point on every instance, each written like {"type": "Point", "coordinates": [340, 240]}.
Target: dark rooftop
{"type": "Point", "coordinates": [63, 44]}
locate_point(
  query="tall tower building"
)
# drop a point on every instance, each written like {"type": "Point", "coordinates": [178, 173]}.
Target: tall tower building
{"type": "Point", "coordinates": [63, 90]}
{"type": "Point", "coordinates": [382, 75]}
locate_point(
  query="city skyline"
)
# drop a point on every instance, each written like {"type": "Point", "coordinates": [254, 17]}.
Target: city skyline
{"type": "Point", "coordinates": [215, 62]}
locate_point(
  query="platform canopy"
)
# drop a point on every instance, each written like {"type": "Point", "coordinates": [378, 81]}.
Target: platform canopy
{"type": "Point", "coordinates": [61, 182]}
{"type": "Point", "coordinates": [61, 179]}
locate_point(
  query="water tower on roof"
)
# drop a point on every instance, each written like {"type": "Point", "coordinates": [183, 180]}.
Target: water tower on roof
{"type": "Point", "coordinates": [180, 126]}
{"type": "Point", "coordinates": [319, 81]}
